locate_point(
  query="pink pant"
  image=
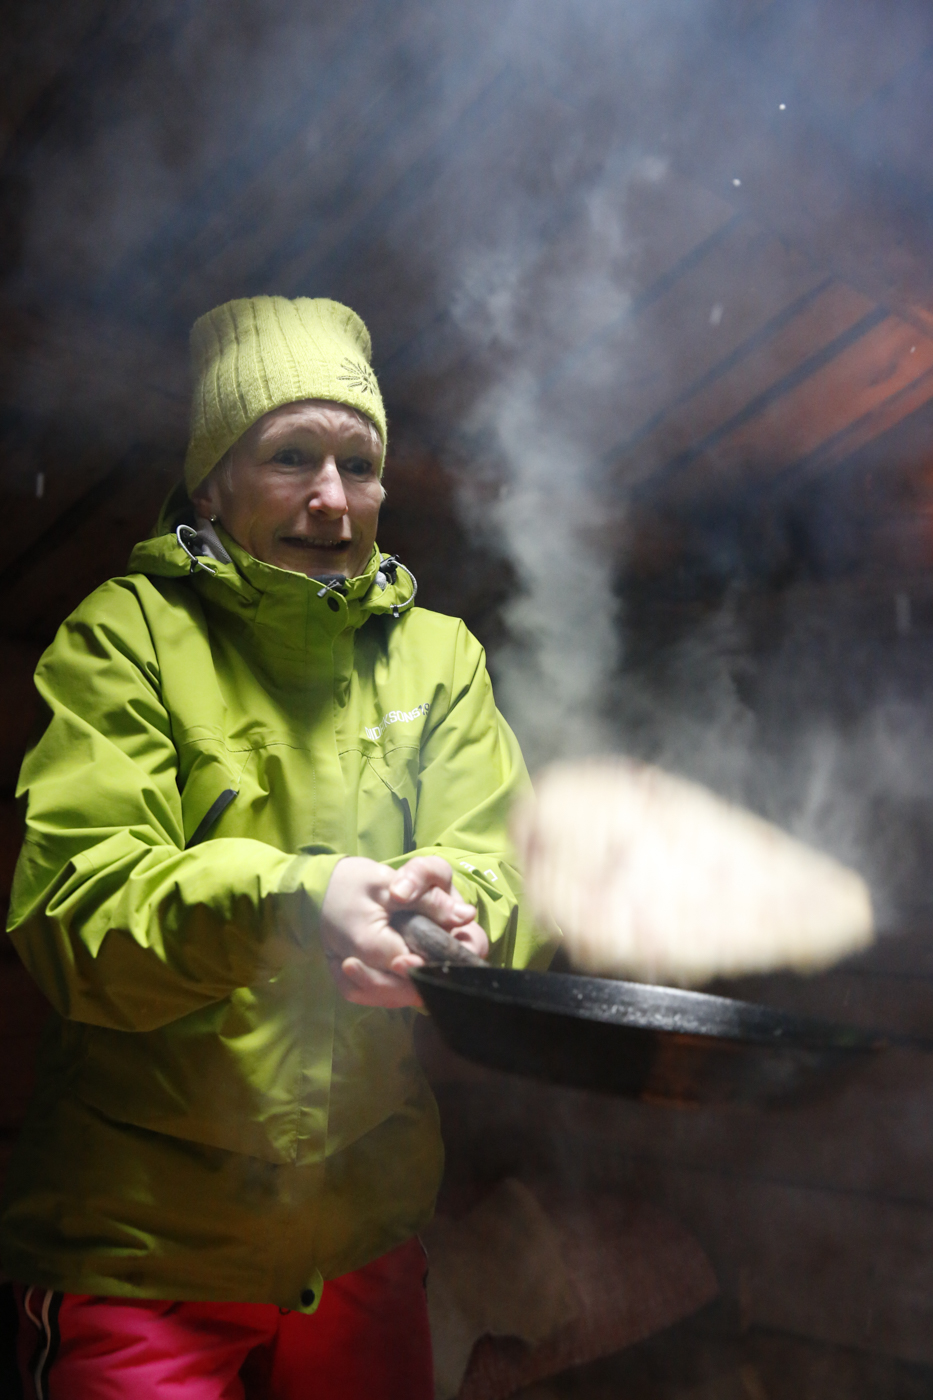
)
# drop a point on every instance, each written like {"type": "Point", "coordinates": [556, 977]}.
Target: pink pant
{"type": "Point", "coordinates": [368, 1340]}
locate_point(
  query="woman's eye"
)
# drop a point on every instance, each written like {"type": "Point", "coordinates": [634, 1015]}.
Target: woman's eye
{"type": "Point", "coordinates": [357, 466]}
{"type": "Point", "coordinates": [288, 457]}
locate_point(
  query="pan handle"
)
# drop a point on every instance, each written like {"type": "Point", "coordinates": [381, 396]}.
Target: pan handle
{"type": "Point", "coordinates": [431, 942]}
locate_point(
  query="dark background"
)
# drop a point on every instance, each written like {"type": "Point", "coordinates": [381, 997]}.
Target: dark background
{"type": "Point", "coordinates": [693, 242]}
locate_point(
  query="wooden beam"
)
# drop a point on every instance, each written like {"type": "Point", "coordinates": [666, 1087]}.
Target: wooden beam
{"type": "Point", "coordinates": [807, 1213]}
{"type": "Point", "coordinates": [803, 177]}
{"type": "Point", "coordinates": [841, 58]}
{"type": "Point", "coordinates": [44, 56]}
{"type": "Point", "coordinates": [86, 544]}
{"type": "Point", "coordinates": [844, 1269]}
{"type": "Point", "coordinates": [768, 355]}
{"type": "Point", "coordinates": [87, 390]}
{"type": "Point", "coordinates": [600, 341]}
{"type": "Point", "coordinates": [842, 446]}
{"type": "Point", "coordinates": [878, 357]}
{"type": "Point", "coordinates": [674, 226]}
{"type": "Point", "coordinates": [360, 174]}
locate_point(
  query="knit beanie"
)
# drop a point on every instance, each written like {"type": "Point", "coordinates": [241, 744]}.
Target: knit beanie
{"type": "Point", "coordinates": [258, 353]}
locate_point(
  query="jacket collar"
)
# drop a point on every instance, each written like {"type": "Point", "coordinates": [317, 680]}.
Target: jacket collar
{"type": "Point", "coordinates": [248, 580]}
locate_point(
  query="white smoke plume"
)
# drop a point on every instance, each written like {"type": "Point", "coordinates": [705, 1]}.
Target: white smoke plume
{"type": "Point", "coordinates": [553, 515]}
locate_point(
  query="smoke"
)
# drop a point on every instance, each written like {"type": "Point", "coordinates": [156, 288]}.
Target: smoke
{"type": "Point", "coordinates": [824, 735]}
{"type": "Point", "coordinates": [549, 515]}
{"type": "Point", "coordinates": [539, 254]}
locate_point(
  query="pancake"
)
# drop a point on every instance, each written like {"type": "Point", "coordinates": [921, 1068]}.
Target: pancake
{"type": "Point", "coordinates": [653, 878]}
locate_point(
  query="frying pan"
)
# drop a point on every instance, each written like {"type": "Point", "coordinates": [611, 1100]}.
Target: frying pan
{"type": "Point", "coordinates": [658, 1044]}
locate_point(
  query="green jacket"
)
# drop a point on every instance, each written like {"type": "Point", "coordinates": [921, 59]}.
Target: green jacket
{"type": "Point", "coordinates": [212, 1119]}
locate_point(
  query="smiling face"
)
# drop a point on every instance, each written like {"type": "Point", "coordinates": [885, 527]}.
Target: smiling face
{"type": "Point", "coordinates": [300, 489]}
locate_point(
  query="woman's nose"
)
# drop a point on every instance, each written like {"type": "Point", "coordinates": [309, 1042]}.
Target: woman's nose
{"type": "Point", "coordinates": [327, 492]}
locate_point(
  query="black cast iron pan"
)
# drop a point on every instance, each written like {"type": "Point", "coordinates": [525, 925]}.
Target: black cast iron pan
{"type": "Point", "coordinates": [654, 1043]}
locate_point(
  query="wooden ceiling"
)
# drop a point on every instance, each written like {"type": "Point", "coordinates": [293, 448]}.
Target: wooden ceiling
{"type": "Point", "coordinates": [700, 232]}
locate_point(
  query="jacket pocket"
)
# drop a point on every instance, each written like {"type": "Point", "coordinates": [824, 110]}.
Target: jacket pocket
{"type": "Point", "coordinates": [387, 804]}
{"type": "Point", "coordinates": [210, 785]}
{"type": "Point", "coordinates": [213, 814]}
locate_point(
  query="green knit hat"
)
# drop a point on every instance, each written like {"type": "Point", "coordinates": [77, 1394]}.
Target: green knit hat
{"type": "Point", "coordinates": [258, 353]}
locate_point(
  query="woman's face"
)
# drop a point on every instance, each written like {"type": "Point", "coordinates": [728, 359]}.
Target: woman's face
{"type": "Point", "coordinates": [301, 489]}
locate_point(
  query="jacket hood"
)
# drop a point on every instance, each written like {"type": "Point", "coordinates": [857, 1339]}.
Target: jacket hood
{"type": "Point", "coordinates": [175, 549]}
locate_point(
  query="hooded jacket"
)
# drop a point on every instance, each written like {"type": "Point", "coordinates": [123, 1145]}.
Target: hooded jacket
{"type": "Point", "coordinates": [212, 1119]}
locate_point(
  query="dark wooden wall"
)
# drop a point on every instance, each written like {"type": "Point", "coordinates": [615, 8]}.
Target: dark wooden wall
{"type": "Point", "coordinates": [747, 186]}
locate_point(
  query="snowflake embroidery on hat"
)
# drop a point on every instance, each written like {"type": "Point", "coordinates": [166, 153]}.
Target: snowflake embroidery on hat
{"type": "Point", "coordinates": [359, 376]}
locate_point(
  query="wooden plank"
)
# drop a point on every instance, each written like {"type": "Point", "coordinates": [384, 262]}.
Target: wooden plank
{"type": "Point", "coordinates": [746, 372]}
{"type": "Point", "coordinates": [124, 381]}
{"type": "Point", "coordinates": [87, 389]}
{"type": "Point", "coordinates": [890, 125]}
{"type": "Point", "coordinates": [439, 367]}
{"type": "Point", "coordinates": [837, 216]}
{"type": "Point", "coordinates": [870, 426]}
{"type": "Point", "coordinates": [799, 1255]}
{"type": "Point", "coordinates": [864, 1138]}
{"type": "Point", "coordinates": [848, 194]}
{"type": "Point", "coordinates": [812, 1253]}
{"type": "Point", "coordinates": [441, 353]}
{"type": "Point", "coordinates": [646, 241]}
{"type": "Point", "coordinates": [341, 161]}
{"type": "Point", "coordinates": [681, 215]}
{"type": "Point", "coordinates": [43, 44]}
{"type": "Point", "coordinates": [355, 259]}
{"type": "Point", "coordinates": [919, 316]}
{"type": "Point", "coordinates": [632, 371]}
{"type": "Point", "coordinates": [839, 1268]}
{"type": "Point", "coordinates": [26, 517]}
{"type": "Point", "coordinates": [86, 547]}
{"type": "Point", "coordinates": [442, 380]}
{"type": "Point", "coordinates": [338, 55]}
{"type": "Point", "coordinates": [371, 263]}
{"type": "Point", "coordinates": [785, 427]}
{"type": "Point", "coordinates": [841, 56]}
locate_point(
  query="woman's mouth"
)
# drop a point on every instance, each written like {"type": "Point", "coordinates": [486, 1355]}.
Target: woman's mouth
{"type": "Point", "coordinates": [307, 542]}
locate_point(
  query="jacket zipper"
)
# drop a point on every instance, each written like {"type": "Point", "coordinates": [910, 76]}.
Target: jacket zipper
{"type": "Point", "coordinates": [213, 814]}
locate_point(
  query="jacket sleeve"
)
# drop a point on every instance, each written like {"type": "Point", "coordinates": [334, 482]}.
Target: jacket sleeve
{"type": "Point", "coordinates": [120, 925]}
{"type": "Point", "coordinates": [471, 772]}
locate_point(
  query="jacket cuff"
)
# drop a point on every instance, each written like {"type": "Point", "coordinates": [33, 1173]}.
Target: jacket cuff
{"type": "Point", "coordinates": [306, 878]}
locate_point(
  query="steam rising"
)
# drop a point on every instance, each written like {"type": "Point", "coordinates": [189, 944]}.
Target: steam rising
{"type": "Point", "coordinates": [536, 423]}
{"type": "Point", "coordinates": [555, 673]}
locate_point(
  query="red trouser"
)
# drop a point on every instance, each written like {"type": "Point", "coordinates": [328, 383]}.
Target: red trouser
{"type": "Point", "coordinates": [368, 1340]}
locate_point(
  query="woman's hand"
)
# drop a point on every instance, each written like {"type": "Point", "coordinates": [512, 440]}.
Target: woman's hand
{"type": "Point", "coordinates": [368, 960]}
